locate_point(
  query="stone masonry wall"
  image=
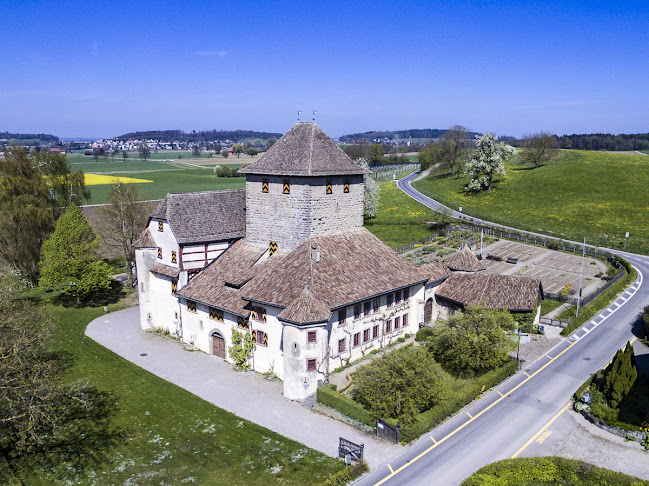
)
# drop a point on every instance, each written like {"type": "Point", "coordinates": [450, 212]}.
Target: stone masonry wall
{"type": "Point", "coordinates": [307, 211]}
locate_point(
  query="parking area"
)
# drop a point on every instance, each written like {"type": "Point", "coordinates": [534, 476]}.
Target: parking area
{"type": "Point", "coordinates": [555, 269]}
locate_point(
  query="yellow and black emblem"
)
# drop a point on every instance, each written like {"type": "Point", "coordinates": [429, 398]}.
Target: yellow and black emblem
{"type": "Point", "coordinates": [174, 286]}
{"type": "Point", "coordinates": [242, 323]}
{"type": "Point", "coordinates": [272, 248]}
{"type": "Point", "coordinates": [329, 187]}
{"type": "Point", "coordinates": [286, 187]}
{"type": "Point", "coordinates": [346, 186]}
{"type": "Point", "coordinates": [216, 314]}
{"type": "Point", "coordinates": [191, 306]}
{"type": "Point", "coordinates": [160, 226]}
{"type": "Point", "coordinates": [173, 257]}
{"type": "Point", "coordinates": [159, 253]}
{"type": "Point", "coordinates": [264, 185]}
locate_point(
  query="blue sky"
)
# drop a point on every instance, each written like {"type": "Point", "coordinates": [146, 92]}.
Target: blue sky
{"type": "Point", "coordinates": [102, 69]}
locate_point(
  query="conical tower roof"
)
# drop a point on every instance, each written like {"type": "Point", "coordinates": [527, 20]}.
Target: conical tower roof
{"type": "Point", "coordinates": [305, 150]}
{"type": "Point", "coordinates": [465, 261]}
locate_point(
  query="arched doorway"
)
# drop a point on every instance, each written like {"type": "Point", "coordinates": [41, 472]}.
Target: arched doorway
{"type": "Point", "coordinates": [428, 312]}
{"type": "Point", "coordinates": [218, 345]}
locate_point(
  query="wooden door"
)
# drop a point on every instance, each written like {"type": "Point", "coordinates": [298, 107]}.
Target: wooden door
{"type": "Point", "coordinates": [428, 311]}
{"type": "Point", "coordinates": [218, 346]}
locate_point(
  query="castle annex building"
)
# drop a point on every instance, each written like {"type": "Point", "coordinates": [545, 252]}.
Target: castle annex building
{"type": "Point", "coordinates": [288, 261]}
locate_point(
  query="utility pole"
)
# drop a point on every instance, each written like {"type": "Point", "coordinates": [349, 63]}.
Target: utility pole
{"type": "Point", "coordinates": [583, 253]}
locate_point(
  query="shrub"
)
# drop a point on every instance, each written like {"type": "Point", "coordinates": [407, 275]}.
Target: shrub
{"type": "Point", "coordinates": [645, 322]}
{"type": "Point", "coordinates": [424, 334]}
{"type": "Point", "coordinates": [345, 476]}
{"type": "Point", "coordinates": [327, 395]}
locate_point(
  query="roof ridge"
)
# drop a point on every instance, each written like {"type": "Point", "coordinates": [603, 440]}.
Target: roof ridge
{"type": "Point", "coordinates": [311, 147]}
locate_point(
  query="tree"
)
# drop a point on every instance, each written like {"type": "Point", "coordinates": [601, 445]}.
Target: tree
{"type": "Point", "coordinates": [371, 193]}
{"type": "Point", "coordinates": [144, 150]}
{"type": "Point", "coordinates": [539, 148]}
{"type": "Point", "coordinates": [124, 155]}
{"type": "Point", "coordinates": [68, 257]}
{"type": "Point", "coordinates": [237, 149]}
{"type": "Point", "coordinates": [375, 154]}
{"type": "Point", "coordinates": [217, 148]}
{"type": "Point", "coordinates": [487, 160]}
{"type": "Point", "coordinates": [44, 419]}
{"type": "Point", "coordinates": [454, 144]}
{"type": "Point", "coordinates": [270, 142]}
{"type": "Point", "coordinates": [252, 151]}
{"type": "Point", "coordinates": [620, 376]}
{"type": "Point", "coordinates": [241, 349]}
{"type": "Point", "coordinates": [225, 153]}
{"type": "Point", "coordinates": [473, 341]}
{"type": "Point", "coordinates": [113, 153]}
{"type": "Point", "coordinates": [400, 385]}
{"type": "Point", "coordinates": [196, 150]}
{"type": "Point", "coordinates": [33, 193]}
{"type": "Point", "coordinates": [125, 218]}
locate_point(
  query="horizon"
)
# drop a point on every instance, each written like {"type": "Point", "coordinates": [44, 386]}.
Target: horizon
{"type": "Point", "coordinates": [508, 68]}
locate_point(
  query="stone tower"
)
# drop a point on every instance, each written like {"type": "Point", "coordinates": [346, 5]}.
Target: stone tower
{"type": "Point", "coordinates": [303, 186]}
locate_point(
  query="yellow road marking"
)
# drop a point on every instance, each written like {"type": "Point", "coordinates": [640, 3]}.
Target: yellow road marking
{"type": "Point", "coordinates": [633, 339]}
{"type": "Point", "coordinates": [534, 437]}
{"type": "Point", "coordinates": [452, 433]}
{"type": "Point", "coordinates": [469, 415]}
{"type": "Point", "coordinates": [544, 436]}
{"type": "Point", "coordinates": [526, 374]}
{"type": "Point", "coordinates": [391, 470]}
{"type": "Point", "coordinates": [434, 441]}
{"type": "Point", "coordinates": [500, 393]}
{"type": "Point", "coordinates": [548, 356]}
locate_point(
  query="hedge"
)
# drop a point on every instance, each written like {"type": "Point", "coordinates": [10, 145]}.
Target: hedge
{"type": "Point", "coordinates": [548, 470]}
{"type": "Point", "coordinates": [430, 418]}
{"type": "Point", "coordinates": [603, 300]}
{"type": "Point", "coordinates": [345, 476]}
{"type": "Point", "coordinates": [645, 322]}
{"type": "Point", "coordinates": [327, 395]}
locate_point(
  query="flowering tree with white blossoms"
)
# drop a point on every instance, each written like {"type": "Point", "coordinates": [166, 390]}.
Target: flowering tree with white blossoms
{"type": "Point", "coordinates": [372, 188]}
{"type": "Point", "coordinates": [487, 160]}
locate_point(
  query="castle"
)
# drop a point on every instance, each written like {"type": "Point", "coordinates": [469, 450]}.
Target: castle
{"type": "Point", "coordinates": [288, 261]}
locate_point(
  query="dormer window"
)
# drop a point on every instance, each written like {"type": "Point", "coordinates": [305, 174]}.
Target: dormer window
{"type": "Point", "coordinates": [286, 187]}
{"type": "Point", "coordinates": [258, 314]}
{"type": "Point", "coordinates": [160, 226]}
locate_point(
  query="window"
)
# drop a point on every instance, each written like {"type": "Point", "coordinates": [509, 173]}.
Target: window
{"type": "Point", "coordinates": [406, 293]}
{"type": "Point", "coordinates": [388, 326]}
{"type": "Point", "coordinates": [342, 345]}
{"type": "Point", "coordinates": [367, 308]}
{"type": "Point", "coordinates": [397, 296]}
{"type": "Point", "coordinates": [311, 364]}
{"type": "Point", "coordinates": [397, 323]}
{"type": "Point", "coordinates": [366, 335]}
{"type": "Point", "coordinates": [161, 226]}
{"type": "Point", "coordinates": [329, 187]}
{"type": "Point", "coordinates": [357, 339]}
{"type": "Point", "coordinates": [375, 332]}
{"type": "Point", "coordinates": [174, 286]}
{"type": "Point", "coordinates": [159, 253]}
{"type": "Point", "coordinates": [264, 185]}
{"type": "Point", "coordinates": [260, 338]}
{"type": "Point", "coordinates": [311, 337]}
{"type": "Point", "coordinates": [191, 306]}
{"type": "Point", "coordinates": [258, 314]}
{"type": "Point", "coordinates": [286, 188]}
{"type": "Point", "coordinates": [357, 311]}
{"type": "Point", "coordinates": [376, 303]}
{"type": "Point", "coordinates": [346, 186]}
{"type": "Point", "coordinates": [342, 315]}
{"type": "Point", "coordinates": [389, 300]}
{"type": "Point", "coordinates": [404, 320]}
{"type": "Point", "coordinates": [216, 314]}
{"type": "Point", "coordinates": [174, 259]}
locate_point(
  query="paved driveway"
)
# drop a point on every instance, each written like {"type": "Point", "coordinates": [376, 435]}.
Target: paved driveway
{"type": "Point", "coordinates": [247, 395]}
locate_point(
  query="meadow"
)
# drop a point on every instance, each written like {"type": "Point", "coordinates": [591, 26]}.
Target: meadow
{"type": "Point", "coordinates": [172, 436]}
{"type": "Point", "coordinates": [599, 196]}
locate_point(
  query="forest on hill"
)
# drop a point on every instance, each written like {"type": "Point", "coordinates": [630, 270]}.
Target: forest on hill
{"type": "Point", "coordinates": [200, 136]}
{"type": "Point", "coordinates": [394, 135]}
{"type": "Point", "coordinates": [42, 137]}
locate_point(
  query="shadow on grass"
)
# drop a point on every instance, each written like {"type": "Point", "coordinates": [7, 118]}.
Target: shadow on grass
{"type": "Point", "coordinates": [111, 296]}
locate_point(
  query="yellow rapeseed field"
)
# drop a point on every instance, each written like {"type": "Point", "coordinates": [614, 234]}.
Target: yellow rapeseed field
{"type": "Point", "coordinates": [98, 179]}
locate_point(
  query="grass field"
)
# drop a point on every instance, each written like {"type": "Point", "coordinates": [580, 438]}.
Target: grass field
{"type": "Point", "coordinates": [174, 437]}
{"type": "Point", "coordinates": [580, 194]}
{"type": "Point", "coordinates": [400, 219]}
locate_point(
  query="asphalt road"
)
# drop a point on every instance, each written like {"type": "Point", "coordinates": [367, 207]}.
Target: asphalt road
{"type": "Point", "coordinates": [502, 423]}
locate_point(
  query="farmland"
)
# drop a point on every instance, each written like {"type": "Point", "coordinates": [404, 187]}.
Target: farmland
{"type": "Point", "coordinates": [595, 195]}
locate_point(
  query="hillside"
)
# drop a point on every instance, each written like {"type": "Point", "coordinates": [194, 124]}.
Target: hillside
{"type": "Point", "coordinates": [413, 133]}
{"type": "Point", "coordinates": [580, 194]}
{"type": "Point", "coordinates": [18, 138]}
{"type": "Point", "coordinates": [202, 136]}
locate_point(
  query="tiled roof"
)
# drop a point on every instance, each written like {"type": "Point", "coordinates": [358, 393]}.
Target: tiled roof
{"type": "Point", "coordinates": [199, 217]}
{"type": "Point", "coordinates": [465, 261]}
{"type": "Point", "coordinates": [305, 150]}
{"type": "Point", "coordinates": [306, 309]}
{"type": "Point", "coordinates": [512, 292]}
{"type": "Point", "coordinates": [145, 240]}
{"type": "Point", "coordinates": [234, 265]}
{"type": "Point", "coordinates": [353, 266]}
{"type": "Point", "coordinates": [165, 270]}
{"type": "Point", "coordinates": [434, 271]}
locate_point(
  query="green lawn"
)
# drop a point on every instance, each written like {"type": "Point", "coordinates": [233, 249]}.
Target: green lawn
{"type": "Point", "coordinates": [174, 436]}
{"type": "Point", "coordinates": [580, 194]}
{"type": "Point", "coordinates": [536, 471]}
{"type": "Point", "coordinates": [89, 166]}
{"type": "Point", "coordinates": [181, 180]}
{"type": "Point", "coordinates": [400, 219]}
{"type": "Point", "coordinates": [548, 305]}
